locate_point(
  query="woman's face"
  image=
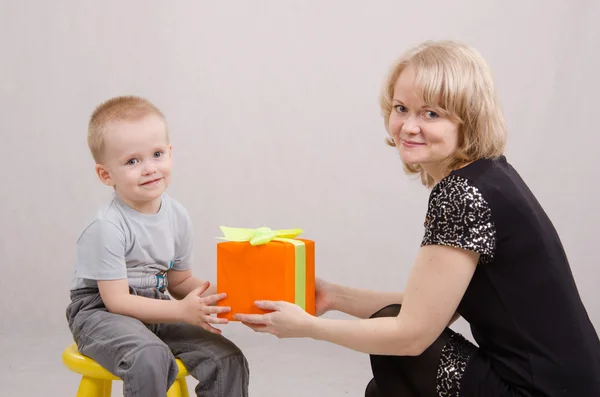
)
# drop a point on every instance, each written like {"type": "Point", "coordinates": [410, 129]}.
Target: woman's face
{"type": "Point", "coordinates": [421, 135]}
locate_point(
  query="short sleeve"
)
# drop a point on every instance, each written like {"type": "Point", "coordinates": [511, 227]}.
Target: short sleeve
{"type": "Point", "coordinates": [184, 248]}
{"type": "Point", "coordinates": [459, 216]}
{"type": "Point", "coordinates": [101, 252]}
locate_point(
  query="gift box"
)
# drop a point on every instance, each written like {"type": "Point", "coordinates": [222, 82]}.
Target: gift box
{"type": "Point", "coordinates": [265, 264]}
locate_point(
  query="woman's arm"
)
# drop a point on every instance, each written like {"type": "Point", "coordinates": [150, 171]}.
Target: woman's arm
{"type": "Point", "coordinates": [357, 302]}
{"type": "Point", "coordinates": [435, 287]}
{"type": "Point", "coordinates": [437, 282]}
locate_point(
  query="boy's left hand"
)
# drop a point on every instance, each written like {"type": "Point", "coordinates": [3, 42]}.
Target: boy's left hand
{"type": "Point", "coordinates": [287, 320]}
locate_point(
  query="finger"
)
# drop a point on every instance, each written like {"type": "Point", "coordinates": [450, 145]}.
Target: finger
{"type": "Point", "coordinates": [212, 299]}
{"type": "Point", "coordinates": [268, 305]}
{"type": "Point", "coordinates": [211, 329]}
{"type": "Point", "coordinates": [200, 290]}
{"type": "Point", "coordinates": [257, 327]}
{"type": "Point", "coordinates": [216, 320]}
{"type": "Point", "coordinates": [216, 309]}
{"type": "Point", "coordinates": [252, 318]}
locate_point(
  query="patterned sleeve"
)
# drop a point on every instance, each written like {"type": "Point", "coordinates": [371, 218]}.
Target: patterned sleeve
{"type": "Point", "coordinates": [459, 216]}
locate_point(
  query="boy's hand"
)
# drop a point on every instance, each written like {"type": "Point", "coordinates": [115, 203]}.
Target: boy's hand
{"type": "Point", "coordinates": [197, 311]}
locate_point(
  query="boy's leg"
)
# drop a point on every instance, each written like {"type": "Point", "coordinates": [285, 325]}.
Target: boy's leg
{"type": "Point", "coordinates": [217, 363]}
{"type": "Point", "coordinates": [124, 346]}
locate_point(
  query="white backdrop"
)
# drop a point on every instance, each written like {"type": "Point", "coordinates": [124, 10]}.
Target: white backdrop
{"type": "Point", "coordinates": [273, 109]}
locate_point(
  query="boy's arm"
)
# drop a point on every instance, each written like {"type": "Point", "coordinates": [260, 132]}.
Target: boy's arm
{"type": "Point", "coordinates": [117, 299]}
{"type": "Point", "coordinates": [182, 282]}
{"type": "Point", "coordinates": [193, 309]}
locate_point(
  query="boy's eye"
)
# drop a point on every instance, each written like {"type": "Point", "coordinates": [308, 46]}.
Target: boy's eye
{"type": "Point", "coordinates": [132, 162]}
{"type": "Point", "coordinates": [158, 154]}
{"type": "Point", "coordinates": [399, 108]}
{"type": "Point", "coordinates": [431, 115]}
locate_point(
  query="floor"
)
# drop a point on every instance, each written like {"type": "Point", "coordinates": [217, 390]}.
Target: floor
{"type": "Point", "coordinates": [31, 366]}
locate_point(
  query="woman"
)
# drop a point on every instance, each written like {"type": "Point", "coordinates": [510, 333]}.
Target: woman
{"type": "Point", "coordinates": [489, 253]}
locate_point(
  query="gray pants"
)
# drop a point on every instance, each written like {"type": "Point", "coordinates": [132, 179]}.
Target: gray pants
{"type": "Point", "coordinates": [143, 355]}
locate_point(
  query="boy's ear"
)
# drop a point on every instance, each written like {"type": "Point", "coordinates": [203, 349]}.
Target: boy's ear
{"type": "Point", "coordinates": [104, 175]}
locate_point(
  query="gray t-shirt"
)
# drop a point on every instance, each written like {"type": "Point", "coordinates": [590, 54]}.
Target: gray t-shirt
{"type": "Point", "coordinates": [124, 243]}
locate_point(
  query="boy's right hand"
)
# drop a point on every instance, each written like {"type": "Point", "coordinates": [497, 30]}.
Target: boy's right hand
{"type": "Point", "coordinates": [197, 310]}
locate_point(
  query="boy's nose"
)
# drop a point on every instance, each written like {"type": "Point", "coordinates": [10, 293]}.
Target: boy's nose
{"type": "Point", "coordinates": [149, 170]}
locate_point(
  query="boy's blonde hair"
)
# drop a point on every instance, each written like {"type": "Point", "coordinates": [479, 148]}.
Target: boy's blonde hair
{"type": "Point", "coordinates": [121, 108]}
{"type": "Point", "coordinates": [454, 79]}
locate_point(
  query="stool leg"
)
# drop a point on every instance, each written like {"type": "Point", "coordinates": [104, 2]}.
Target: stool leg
{"type": "Point", "coordinates": [184, 387]}
{"type": "Point", "coordinates": [178, 389]}
{"type": "Point", "coordinates": [90, 387]}
{"type": "Point", "coordinates": [174, 390]}
{"type": "Point", "coordinates": [107, 388]}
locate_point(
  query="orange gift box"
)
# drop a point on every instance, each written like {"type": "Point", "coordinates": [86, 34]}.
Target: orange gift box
{"type": "Point", "coordinates": [263, 264]}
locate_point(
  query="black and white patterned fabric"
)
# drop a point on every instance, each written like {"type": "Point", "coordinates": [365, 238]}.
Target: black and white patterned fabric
{"type": "Point", "coordinates": [453, 362]}
{"type": "Point", "coordinates": [459, 216]}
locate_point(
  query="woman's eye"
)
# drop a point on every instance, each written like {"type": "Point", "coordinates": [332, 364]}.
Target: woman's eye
{"type": "Point", "coordinates": [399, 108]}
{"type": "Point", "coordinates": [158, 154]}
{"type": "Point", "coordinates": [431, 115]}
{"type": "Point", "coordinates": [132, 162]}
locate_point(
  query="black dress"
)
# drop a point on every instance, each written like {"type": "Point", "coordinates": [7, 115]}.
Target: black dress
{"type": "Point", "coordinates": [534, 335]}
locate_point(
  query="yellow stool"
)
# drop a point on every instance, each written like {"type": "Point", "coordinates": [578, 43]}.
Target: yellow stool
{"type": "Point", "coordinates": [97, 382]}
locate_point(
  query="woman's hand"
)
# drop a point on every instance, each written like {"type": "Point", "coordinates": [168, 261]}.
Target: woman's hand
{"type": "Point", "coordinates": [287, 320]}
{"type": "Point", "coordinates": [324, 296]}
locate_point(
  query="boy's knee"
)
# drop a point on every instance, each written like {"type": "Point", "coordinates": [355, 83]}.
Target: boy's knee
{"type": "Point", "coordinates": [236, 361]}
{"type": "Point", "coordinates": [388, 311]}
{"type": "Point", "coordinates": [226, 348]}
{"type": "Point", "coordinates": [233, 356]}
{"type": "Point", "coordinates": [231, 362]}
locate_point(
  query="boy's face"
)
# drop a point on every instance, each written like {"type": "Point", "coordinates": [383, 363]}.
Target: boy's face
{"type": "Point", "coordinates": [137, 162]}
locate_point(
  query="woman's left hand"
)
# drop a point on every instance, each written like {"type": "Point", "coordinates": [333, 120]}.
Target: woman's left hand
{"type": "Point", "coordinates": [287, 320]}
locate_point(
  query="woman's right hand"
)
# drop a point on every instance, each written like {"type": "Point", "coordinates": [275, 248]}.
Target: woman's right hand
{"type": "Point", "coordinates": [324, 296]}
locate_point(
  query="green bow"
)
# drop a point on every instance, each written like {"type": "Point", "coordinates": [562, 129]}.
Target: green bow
{"type": "Point", "coordinates": [259, 236]}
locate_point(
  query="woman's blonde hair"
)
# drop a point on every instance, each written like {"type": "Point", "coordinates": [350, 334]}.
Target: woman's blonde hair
{"type": "Point", "coordinates": [454, 78]}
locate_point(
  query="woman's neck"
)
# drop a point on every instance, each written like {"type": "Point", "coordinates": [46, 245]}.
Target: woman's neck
{"type": "Point", "coordinates": [435, 171]}
{"type": "Point", "coordinates": [438, 171]}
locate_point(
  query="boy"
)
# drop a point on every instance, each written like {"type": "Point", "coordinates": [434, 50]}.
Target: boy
{"type": "Point", "coordinates": [138, 247]}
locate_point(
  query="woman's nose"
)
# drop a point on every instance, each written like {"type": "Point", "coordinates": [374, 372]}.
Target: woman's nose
{"type": "Point", "coordinates": [411, 126]}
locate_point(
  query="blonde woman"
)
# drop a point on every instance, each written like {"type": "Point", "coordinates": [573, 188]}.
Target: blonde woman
{"type": "Point", "coordinates": [489, 254]}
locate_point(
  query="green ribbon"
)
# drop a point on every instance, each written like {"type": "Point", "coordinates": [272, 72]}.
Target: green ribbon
{"type": "Point", "coordinates": [264, 235]}
{"type": "Point", "coordinates": [259, 236]}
